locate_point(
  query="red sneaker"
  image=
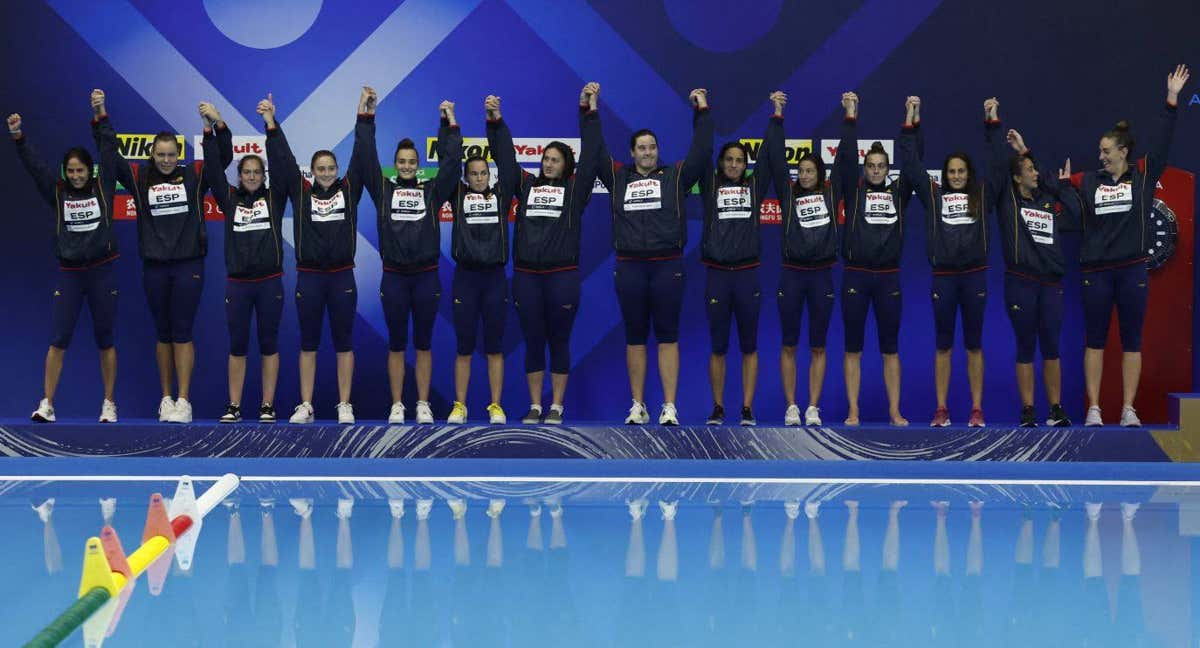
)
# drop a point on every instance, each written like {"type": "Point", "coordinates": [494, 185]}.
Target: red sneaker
{"type": "Point", "coordinates": [976, 418]}
{"type": "Point", "coordinates": [941, 418]}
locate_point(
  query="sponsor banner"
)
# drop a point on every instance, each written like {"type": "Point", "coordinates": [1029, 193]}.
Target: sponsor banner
{"type": "Point", "coordinates": [829, 149]}
{"type": "Point", "coordinates": [529, 150]}
{"type": "Point", "coordinates": [137, 146]}
{"type": "Point", "coordinates": [243, 145]}
{"type": "Point", "coordinates": [792, 148]}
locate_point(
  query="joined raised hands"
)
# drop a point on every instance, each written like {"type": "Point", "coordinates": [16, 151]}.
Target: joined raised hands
{"type": "Point", "coordinates": [98, 103]}
{"type": "Point", "coordinates": [1016, 141]}
{"type": "Point", "coordinates": [991, 109]}
{"type": "Point", "coordinates": [589, 95]}
{"type": "Point", "coordinates": [266, 108]}
{"type": "Point", "coordinates": [779, 98]}
{"type": "Point", "coordinates": [850, 104]}
{"type": "Point", "coordinates": [368, 99]}
{"type": "Point", "coordinates": [209, 114]}
{"type": "Point", "coordinates": [1175, 81]}
{"type": "Point", "coordinates": [14, 125]}
{"type": "Point", "coordinates": [491, 104]}
{"type": "Point", "coordinates": [699, 97]}
{"type": "Point", "coordinates": [912, 109]}
{"type": "Point", "coordinates": [446, 110]}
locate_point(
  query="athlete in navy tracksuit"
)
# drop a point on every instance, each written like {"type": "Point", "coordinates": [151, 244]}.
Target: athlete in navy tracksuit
{"type": "Point", "coordinates": [871, 244]}
{"type": "Point", "coordinates": [325, 236]}
{"type": "Point", "coordinates": [86, 250]}
{"type": "Point", "coordinates": [253, 266]}
{"type": "Point", "coordinates": [546, 245]}
{"type": "Point", "coordinates": [1033, 212]}
{"type": "Point", "coordinates": [649, 234]}
{"type": "Point", "coordinates": [730, 247]}
{"type": "Point", "coordinates": [957, 247]}
{"type": "Point", "coordinates": [173, 242]}
{"type": "Point", "coordinates": [809, 250]}
{"type": "Point", "coordinates": [1118, 204]}
{"type": "Point", "coordinates": [410, 245]}
{"type": "Point", "coordinates": [479, 242]}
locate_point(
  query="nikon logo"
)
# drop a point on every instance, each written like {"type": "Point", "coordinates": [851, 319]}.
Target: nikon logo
{"type": "Point", "coordinates": [138, 146]}
{"type": "Point", "coordinates": [792, 148]}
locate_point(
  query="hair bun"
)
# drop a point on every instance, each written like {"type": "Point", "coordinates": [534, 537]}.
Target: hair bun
{"type": "Point", "coordinates": [1122, 125]}
{"type": "Point", "coordinates": [877, 147]}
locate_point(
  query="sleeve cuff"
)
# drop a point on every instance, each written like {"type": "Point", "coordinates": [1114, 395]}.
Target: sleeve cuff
{"type": "Point", "coordinates": [366, 118]}
{"type": "Point", "coordinates": [452, 126]}
{"type": "Point", "coordinates": [1172, 106]}
{"type": "Point", "coordinates": [495, 121]}
{"type": "Point", "coordinates": [910, 128]}
{"type": "Point", "coordinates": [702, 109]}
{"type": "Point", "coordinates": [19, 137]}
{"type": "Point", "coordinates": [850, 120]}
{"type": "Point", "coordinates": [991, 122]}
{"type": "Point", "coordinates": [97, 120]}
{"type": "Point", "coordinates": [777, 118]}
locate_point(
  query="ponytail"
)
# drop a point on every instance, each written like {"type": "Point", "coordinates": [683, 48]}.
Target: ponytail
{"type": "Point", "coordinates": [1121, 136]}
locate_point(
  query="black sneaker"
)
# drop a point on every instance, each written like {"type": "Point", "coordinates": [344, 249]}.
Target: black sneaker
{"type": "Point", "coordinates": [533, 416]}
{"type": "Point", "coordinates": [717, 417]}
{"type": "Point", "coordinates": [554, 416]}
{"type": "Point", "coordinates": [1058, 417]}
{"type": "Point", "coordinates": [232, 414]}
{"type": "Point", "coordinates": [266, 413]}
{"type": "Point", "coordinates": [748, 417]}
{"type": "Point", "coordinates": [1028, 416]}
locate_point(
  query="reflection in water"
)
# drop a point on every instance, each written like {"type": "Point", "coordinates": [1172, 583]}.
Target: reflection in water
{"type": "Point", "coordinates": [438, 566]}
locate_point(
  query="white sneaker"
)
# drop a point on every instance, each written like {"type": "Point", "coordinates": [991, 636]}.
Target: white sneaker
{"type": "Point", "coordinates": [495, 508]}
{"type": "Point", "coordinates": [458, 507]}
{"type": "Point", "coordinates": [108, 411]}
{"type": "Point", "coordinates": [424, 413]}
{"type": "Point", "coordinates": [637, 414]}
{"type": "Point", "coordinates": [345, 412]}
{"type": "Point", "coordinates": [182, 412]}
{"type": "Point", "coordinates": [812, 509]}
{"type": "Point", "coordinates": [345, 508]}
{"type": "Point", "coordinates": [44, 510]}
{"type": "Point", "coordinates": [792, 415]}
{"type": "Point", "coordinates": [792, 509]}
{"type": "Point", "coordinates": [668, 416]}
{"type": "Point", "coordinates": [1129, 418]}
{"type": "Point", "coordinates": [1092, 509]}
{"type": "Point", "coordinates": [668, 509]}
{"type": "Point", "coordinates": [812, 415]}
{"type": "Point", "coordinates": [303, 413]}
{"type": "Point", "coordinates": [637, 508]}
{"type": "Point", "coordinates": [1093, 416]}
{"type": "Point", "coordinates": [44, 413]}
{"type": "Point", "coordinates": [108, 508]}
{"type": "Point", "coordinates": [396, 506]}
{"type": "Point", "coordinates": [1129, 510]}
{"type": "Point", "coordinates": [302, 506]}
{"type": "Point", "coordinates": [166, 408]}
{"type": "Point", "coordinates": [397, 413]}
{"type": "Point", "coordinates": [424, 506]}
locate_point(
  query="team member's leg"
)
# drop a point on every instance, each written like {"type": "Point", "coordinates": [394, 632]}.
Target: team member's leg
{"type": "Point", "coordinates": [343, 305]}
{"type": "Point", "coordinates": [790, 298]}
{"type": "Point", "coordinates": [69, 292]}
{"type": "Point", "coordinates": [268, 313]}
{"type": "Point", "coordinates": [855, 302]}
{"type": "Point", "coordinates": [1021, 304]}
{"type": "Point", "coordinates": [186, 286]}
{"type": "Point", "coordinates": [1131, 293]}
{"type": "Point", "coordinates": [667, 303]}
{"type": "Point", "coordinates": [1097, 313]}
{"type": "Point", "coordinates": [562, 305]}
{"type": "Point", "coordinates": [972, 299]}
{"type": "Point", "coordinates": [426, 295]}
{"type": "Point", "coordinates": [746, 300]}
{"type": "Point", "coordinates": [718, 306]}
{"type": "Point", "coordinates": [531, 308]}
{"type": "Point", "coordinates": [945, 311]}
{"type": "Point", "coordinates": [495, 312]}
{"type": "Point", "coordinates": [394, 294]}
{"type": "Point", "coordinates": [887, 302]}
{"type": "Point", "coordinates": [239, 305]}
{"type": "Point", "coordinates": [467, 304]}
{"type": "Point", "coordinates": [1050, 316]}
{"type": "Point", "coordinates": [310, 308]}
{"type": "Point", "coordinates": [156, 283]}
{"type": "Point", "coordinates": [632, 284]}
{"type": "Point", "coordinates": [102, 301]}
{"type": "Point", "coordinates": [819, 295]}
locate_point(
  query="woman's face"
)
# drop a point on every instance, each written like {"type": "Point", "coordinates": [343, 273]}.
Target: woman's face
{"type": "Point", "coordinates": [478, 175]}
{"type": "Point", "coordinates": [325, 171]}
{"type": "Point", "coordinates": [251, 175]}
{"type": "Point", "coordinates": [876, 168]}
{"type": "Point", "coordinates": [956, 174]}
{"type": "Point", "coordinates": [77, 173]}
{"type": "Point", "coordinates": [806, 175]}
{"type": "Point", "coordinates": [1112, 156]}
{"type": "Point", "coordinates": [733, 163]}
{"type": "Point", "coordinates": [553, 164]}
{"type": "Point", "coordinates": [406, 163]}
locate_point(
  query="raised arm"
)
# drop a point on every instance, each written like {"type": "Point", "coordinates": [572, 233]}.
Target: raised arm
{"type": "Point", "coordinates": [42, 176]}
{"type": "Point", "coordinates": [354, 173]}
{"type": "Point", "coordinates": [699, 156]}
{"type": "Point", "coordinates": [775, 163]}
{"type": "Point", "coordinates": [912, 148]}
{"type": "Point", "coordinates": [1160, 142]}
{"type": "Point", "coordinates": [589, 132]}
{"type": "Point", "coordinates": [845, 162]}
{"type": "Point", "coordinates": [1059, 185]}
{"type": "Point", "coordinates": [501, 142]}
{"type": "Point", "coordinates": [997, 177]}
{"type": "Point", "coordinates": [449, 156]}
{"type": "Point", "coordinates": [106, 143]}
{"type": "Point", "coordinates": [285, 173]}
{"type": "Point", "coordinates": [214, 175]}
{"type": "Point", "coordinates": [221, 152]}
{"type": "Point", "coordinates": [365, 157]}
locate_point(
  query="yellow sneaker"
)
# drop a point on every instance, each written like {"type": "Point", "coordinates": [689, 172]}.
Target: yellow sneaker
{"type": "Point", "coordinates": [458, 414]}
{"type": "Point", "coordinates": [496, 414]}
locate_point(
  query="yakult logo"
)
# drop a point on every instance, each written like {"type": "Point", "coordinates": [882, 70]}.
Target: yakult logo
{"type": "Point", "coordinates": [829, 149]}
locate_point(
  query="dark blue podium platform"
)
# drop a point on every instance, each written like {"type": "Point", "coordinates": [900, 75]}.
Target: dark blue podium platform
{"type": "Point", "coordinates": [371, 440]}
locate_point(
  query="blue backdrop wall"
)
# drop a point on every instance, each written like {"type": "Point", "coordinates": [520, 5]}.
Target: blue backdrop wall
{"type": "Point", "coordinates": [1064, 72]}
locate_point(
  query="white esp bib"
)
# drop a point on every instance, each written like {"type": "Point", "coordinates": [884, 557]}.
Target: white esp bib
{"type": "Point", "coordinates": [641, 195]}
{"type": "Point", "coordinates": [328, 209]}
{"type": "Point", "coordinates": [1114, 199]}
{"type": "Point", "coordinates": [880, 209]}
{"type": "Point", "coordinates": [1040, 225]}
{"type": "Point", "coordinates": [408, 204]}
{"type": "Point", "coordinates": [733, 202]}
{"type": "Point", "coordinates": [253, 218]}
{"type": "Point", "coordinates": [956, 209]}
{"type": "Point", "coordinates": [81, 215]}
{"type": "Point", "coordinates": [479, 209]}
{"type": "Point", "coordinates": [546, 201]}
{"type": "Point", "coordinates": [811, 211]}
{"type": "Point", "coordinates": [167, 198]}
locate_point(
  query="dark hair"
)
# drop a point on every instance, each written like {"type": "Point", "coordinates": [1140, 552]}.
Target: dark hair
{"type": "Point", "coordinates": [242, 162]}
{"type": "Point", "coordinates": [167, 136]}
{"type": "Point", "coordinates": [877, 149]}
{"type": "Point", "coordinates": [809, 156]}
{"type": "Point", "coordinates": [974, 199]}
{"type": "Point", "coordinates": [405, 143]}
{"type": "Point", "coordinates": [729, 145]}
{"type": "Point", "coordinates": [568, 158]}
{"type": "Point", "coordinates": [81, 154]}
{"type": "Point", "coordinates": [322, 153]}
{"type": "Point", "coordinates": [634, 138]}
{"type": "Point", "coordinates": [1121, 135]}
{"type": "Point", "coordinates": [1014, 163]}
{"type": "Point", "coordinates": [474, 158]}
